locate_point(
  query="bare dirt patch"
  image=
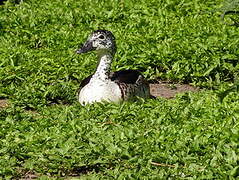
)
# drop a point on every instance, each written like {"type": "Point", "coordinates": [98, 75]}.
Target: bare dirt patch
{"type": "Point", "coordinates": [3, 103]}
{"type": "Point", "coordinates": [169, 90]}
{"type": "Point", "coordinates": [29, 176]}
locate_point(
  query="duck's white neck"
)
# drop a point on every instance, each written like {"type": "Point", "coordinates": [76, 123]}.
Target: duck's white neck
{"type": "Point", "coordinates": [103, 68]}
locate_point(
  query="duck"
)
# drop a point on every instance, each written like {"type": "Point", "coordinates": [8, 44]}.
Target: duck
{"type": "Point", "coordinates": [104, 85]}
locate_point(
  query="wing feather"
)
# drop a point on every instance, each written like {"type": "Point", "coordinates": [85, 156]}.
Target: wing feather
{"type": "Point", "coordinates": [125, 76]}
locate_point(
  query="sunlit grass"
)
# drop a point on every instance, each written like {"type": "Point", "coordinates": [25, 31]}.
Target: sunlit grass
{"type": "Point", "coordinates": [47, 133]}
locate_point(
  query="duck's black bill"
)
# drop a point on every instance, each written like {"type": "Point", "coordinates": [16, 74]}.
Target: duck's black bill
{"type": "Point", "coordinates": [88, 46]}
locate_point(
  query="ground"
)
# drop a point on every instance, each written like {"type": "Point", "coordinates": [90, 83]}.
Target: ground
{"type": "Point", "coordinates": [3, 103]}
{"type": "Point", "coordinates": [169, 90]}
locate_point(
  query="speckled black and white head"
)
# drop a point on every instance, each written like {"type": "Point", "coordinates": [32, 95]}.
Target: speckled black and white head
{"type": "Point", "coordinates": [100, 41]}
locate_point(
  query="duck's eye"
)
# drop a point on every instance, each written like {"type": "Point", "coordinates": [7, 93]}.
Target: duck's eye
{"type": "Point", "coordinates": [102, 37]}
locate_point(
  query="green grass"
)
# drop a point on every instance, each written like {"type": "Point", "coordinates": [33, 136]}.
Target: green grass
{"type": "Point", "coordinates": [45, 131]}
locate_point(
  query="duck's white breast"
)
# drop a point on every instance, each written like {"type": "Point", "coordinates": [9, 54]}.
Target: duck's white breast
{"type": "Point", "coordinates": [98, 91]}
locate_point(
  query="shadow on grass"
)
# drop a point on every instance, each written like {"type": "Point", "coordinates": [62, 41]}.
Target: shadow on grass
{"type": "Point", "coordinates": [76, 172]}
{"type": "Point", "coordinates": [83, 170]}
{"type": "Point", "coordinates": [2, 2]}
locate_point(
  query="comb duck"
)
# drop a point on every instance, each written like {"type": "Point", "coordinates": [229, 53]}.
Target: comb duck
{"type": "Point", "coordinates": [108, 86]}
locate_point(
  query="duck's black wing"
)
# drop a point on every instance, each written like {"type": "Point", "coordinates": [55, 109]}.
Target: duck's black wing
{"type": "Point", "coordinates": [125, 76]}
{"type": "Point", "coordinates": [85, 81]}
{"type": "Point", "coordinates": [131, 83]}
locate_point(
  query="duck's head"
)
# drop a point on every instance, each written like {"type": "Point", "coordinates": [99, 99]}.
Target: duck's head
{"type": "Point", "coordinates": [100, 41]}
